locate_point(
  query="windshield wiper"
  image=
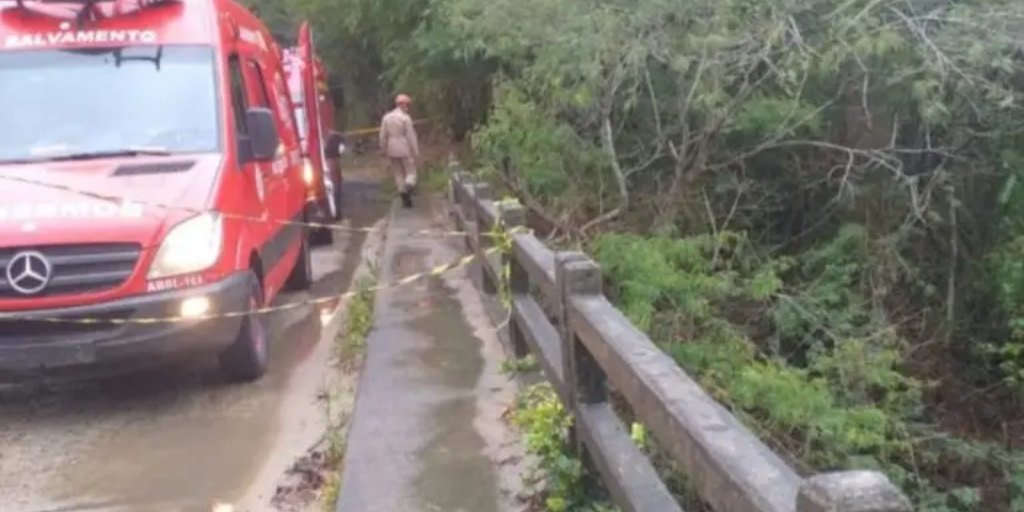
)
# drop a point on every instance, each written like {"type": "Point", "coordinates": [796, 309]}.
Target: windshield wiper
{"type": "Point", "coordinates": [114, 153]}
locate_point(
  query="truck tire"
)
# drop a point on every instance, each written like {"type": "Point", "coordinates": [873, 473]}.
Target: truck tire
{"type": "Point", "coordinates": [301, 278]}
{"type": "Point", "coordinates": [246, 359]}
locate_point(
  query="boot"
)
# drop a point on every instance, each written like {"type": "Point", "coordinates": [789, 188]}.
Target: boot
{"type": "Point", "coordinates": [406, 199]}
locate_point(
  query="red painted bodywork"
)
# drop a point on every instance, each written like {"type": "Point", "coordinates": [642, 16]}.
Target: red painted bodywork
{"type": "Point", "coordinates": [307, 78]}
{"type": "Point", "coordinates": [216, 182]}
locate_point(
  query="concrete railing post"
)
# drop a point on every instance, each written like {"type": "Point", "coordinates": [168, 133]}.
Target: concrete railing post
{"type": "Point", "coordinates": [453, 163]}
{"type": "Point", "coordinates": [585, 382]}
{"type": "Point", "coordinates": [481, 241]}
{"type": "Point", "coordinates": [480, 192]}
{"type": "Point", "coordinates": [513, 215]}
{"type": "Point", "coordinates": [851, 491]}
{"type": "Point", "coordinates": [460, 184]}
{"type": "Point", "coordinates": [464, 208]}
{"type": "Point", "coordinates": [454, 202]}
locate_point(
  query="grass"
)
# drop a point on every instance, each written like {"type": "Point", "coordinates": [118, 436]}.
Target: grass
{"type": "Point", "coordinates": [334, 457]}
{"type": "Point", "coordinates": [350, 346]}
{"type": "Point", "coordinates": [557, 478]}
{"type": "Point", "coordinates": [434, 177]}
{"type": "Point", "coordinates": [351, 341]}
{"type": "Point", "coordinates": [519, 366]}
{"type": "Point", "coordinates": [332, 489]}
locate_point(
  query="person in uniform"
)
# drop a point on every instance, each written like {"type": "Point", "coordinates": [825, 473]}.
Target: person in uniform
{"type": "Point", "coordinates": [400, 147]}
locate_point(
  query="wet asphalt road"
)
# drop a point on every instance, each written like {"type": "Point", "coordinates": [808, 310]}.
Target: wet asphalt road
{"type": "Point", "coordinates": [178, 438]}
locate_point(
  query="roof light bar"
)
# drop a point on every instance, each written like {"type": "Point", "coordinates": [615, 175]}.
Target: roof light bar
{"type": "Point", "coordinates": [87, 10]}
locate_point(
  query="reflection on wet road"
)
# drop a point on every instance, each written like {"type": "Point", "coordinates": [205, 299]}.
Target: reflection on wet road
{"type": "Point", "coordinates": [171, 439]}
{"type": "Point", "coordinates": [431, 396]}
{"type": "Point", "coordinates": [447, 362]}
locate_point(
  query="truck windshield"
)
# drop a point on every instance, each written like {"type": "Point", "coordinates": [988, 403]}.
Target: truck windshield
{"type": "Point", "coordinates": [134, 100]}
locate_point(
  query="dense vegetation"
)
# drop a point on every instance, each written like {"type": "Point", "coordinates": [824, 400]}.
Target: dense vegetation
{"type": "Point", "coordinates": [812, 204]}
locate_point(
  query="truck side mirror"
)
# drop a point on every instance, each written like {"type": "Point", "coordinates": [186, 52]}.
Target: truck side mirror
{"type": "Point", "coordinates": [263, 140]}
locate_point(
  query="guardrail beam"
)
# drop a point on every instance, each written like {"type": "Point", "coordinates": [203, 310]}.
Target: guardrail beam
{"type": "Point", "coordinates": [585, 345]}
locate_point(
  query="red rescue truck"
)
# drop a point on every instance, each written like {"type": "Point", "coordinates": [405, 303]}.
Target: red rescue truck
{"type": "Point", "coordinates": [150, 184]}
{"type": "Point", "coordinates": [322, 145]}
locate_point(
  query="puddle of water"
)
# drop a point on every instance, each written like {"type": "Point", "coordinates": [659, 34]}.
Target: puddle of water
{"type": "Point", "coordinates": [427, 434]}
{"type": "Point", "coordinates": [460, 478]}
{"type": "Point", "coordinates": [455, 474]}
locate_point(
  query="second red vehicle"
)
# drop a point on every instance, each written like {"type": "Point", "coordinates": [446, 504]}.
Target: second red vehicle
{"type": "Point", "coordinates": [322, 145]}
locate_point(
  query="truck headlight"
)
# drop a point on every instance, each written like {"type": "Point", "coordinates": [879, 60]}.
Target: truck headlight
{"type": "Point", "coordinates": [192, 246]}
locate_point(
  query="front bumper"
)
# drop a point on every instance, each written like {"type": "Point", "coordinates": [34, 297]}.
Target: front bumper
{"type": "Point", "coordinates": [28, 343]}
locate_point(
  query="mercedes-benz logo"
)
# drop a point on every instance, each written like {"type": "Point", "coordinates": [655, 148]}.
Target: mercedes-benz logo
{"type": "Point", "coordinates": [29, 272]}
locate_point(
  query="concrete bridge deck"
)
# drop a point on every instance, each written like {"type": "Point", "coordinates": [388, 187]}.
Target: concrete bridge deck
{"type": "Point", "coordinates": [427, 432]}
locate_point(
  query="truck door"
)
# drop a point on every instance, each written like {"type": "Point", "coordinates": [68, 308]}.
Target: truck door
{"type": "Point", "coordinates": [278, 202]}
{"type": "Point", "coordinates": [258, 172]}
{"type": "Point", "coordinates": [311, 104]}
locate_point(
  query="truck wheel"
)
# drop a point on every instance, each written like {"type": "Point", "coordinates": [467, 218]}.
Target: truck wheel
{"type": "Point", "coordinates": [301, 278]}
{"type": "Point", "coordinates": [246, 359]}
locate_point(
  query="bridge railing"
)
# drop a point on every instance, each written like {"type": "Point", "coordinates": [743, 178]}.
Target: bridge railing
{"type": "Point", "coordinates": [584, 346]}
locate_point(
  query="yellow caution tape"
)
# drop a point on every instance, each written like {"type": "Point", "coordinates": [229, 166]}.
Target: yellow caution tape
{"type": "Point", "coordinates": [236, 216]}
{"type": "Point", "coordinates": [361, 131]}
{"type": "Point", "coordinates": [434, 272]}
{"type": "Point", "coordinates": [376, 129]}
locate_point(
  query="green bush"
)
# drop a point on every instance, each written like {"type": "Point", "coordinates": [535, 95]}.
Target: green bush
{"type": "Point", "coordinates": [838, 398]}
{"type": "Point", "coordinates": [557, 475]}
